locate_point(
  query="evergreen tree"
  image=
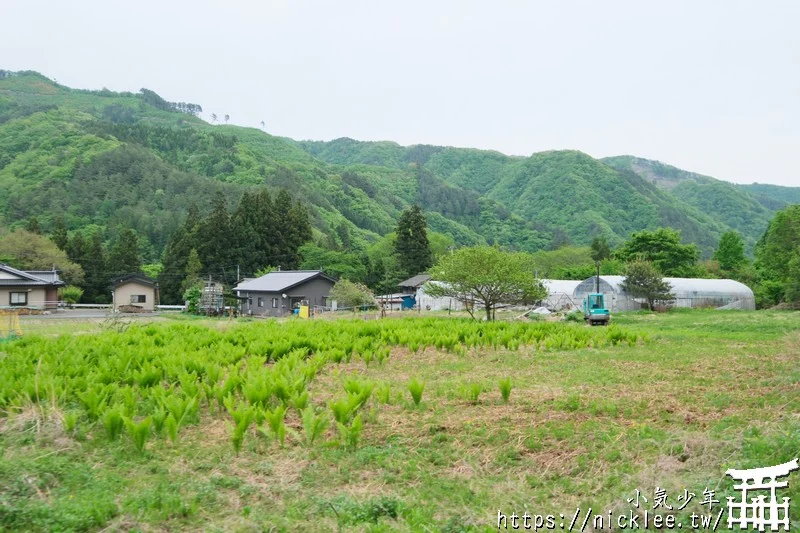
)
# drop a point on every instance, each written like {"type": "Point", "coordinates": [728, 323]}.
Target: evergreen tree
{"type": "Point", "coordinates": [344, 236]}
{"type": "Point", "coordinates": [643, 280]}
{"type": "Point", "coordinates": [412, 246]}
{"type": "Point", "coordinates": [98, 280]}
{"type": "Point", "coordinates": [215, 238]}
{"type": "Point", "coordinates": [59, 233]}
{"type": "Point", "coordinates": [176, 254]}
{"type": "Point", "coordinates": [76, 249]}
{"type": "Point", "coordinates": [124, 256]}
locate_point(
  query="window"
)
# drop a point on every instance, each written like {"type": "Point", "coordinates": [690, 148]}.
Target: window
{"type": "Point", "coordinates": [261, 302]}
{"type": "Point", "coordinates": [18, 298]}
{"type": "Point", "coordinates": [249, 302]}
{"type": "Point", "coordinates": [274, 303]}
{"type": "Point", "coordinates": [138, 298]}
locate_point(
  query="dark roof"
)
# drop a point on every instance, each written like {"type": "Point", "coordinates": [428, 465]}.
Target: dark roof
{"type": "Point", "coordinates": [135, 278]}
{"type": "Point", "coordinates": [281, 280]}
{"type": "Point", "coordinates": [416, 281]}
{"type": "Point", "coordinates": [33, 278]}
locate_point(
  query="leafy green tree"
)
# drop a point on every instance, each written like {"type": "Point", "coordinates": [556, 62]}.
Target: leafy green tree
{"type": "Point", "coordinates": [730, 252]}
{"type": "Point", "coordinates": [486, 276]}
{"type": "Point", "coordinates": [33, 226]}
{"type": "Point", "coordinates": [59, 233]}
{"type": "Point", "coordinates": [70, 294]}
{"type": "Point", "coordinates": [778, 258]}
{"type": "Point", "coordinates": [643, 280]}
{"type": "Point", "coordinates": [350, 294]}
{"type": "Point", "coordinates": [124, 256]}
{"type": "Point", "coordinates": [29, 251]}
{"type": "Point", "coordinates": [193, 269]}
{"type": "Point", "coordinates": [663, 249]}
{"type": "Point", "coordinates": [411, 244]}
{"type": "Point", "coordinates": [600, 251]}
{"type": "Point", "coordinates": [335, 263]}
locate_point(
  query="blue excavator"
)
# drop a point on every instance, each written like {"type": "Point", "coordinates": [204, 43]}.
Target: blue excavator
{"type": "Point", "coordinates": [595, 312]}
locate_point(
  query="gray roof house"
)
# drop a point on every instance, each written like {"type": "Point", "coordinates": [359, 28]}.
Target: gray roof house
{"type": "Point", "coordinates": [279, 293]}
{"type": "Point", "coordinates": [33, 289]}
{"type": "Point", "coordinates": [411, 285]}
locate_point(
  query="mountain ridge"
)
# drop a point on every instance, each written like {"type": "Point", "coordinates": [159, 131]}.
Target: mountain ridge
{"type": "Point", "coordinates": [49, 133]}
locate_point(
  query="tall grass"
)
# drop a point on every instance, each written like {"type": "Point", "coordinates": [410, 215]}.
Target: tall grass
{"type": "Point", "coordinates": [416, 388]}
{"type": "Point", "coordinates": [505, 389]}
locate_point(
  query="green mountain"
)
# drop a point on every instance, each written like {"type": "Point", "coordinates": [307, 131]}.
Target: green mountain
{"type": "Point", "coordinates": [112, 160]}
{"type": "Point", "coordinates": [745, 208]}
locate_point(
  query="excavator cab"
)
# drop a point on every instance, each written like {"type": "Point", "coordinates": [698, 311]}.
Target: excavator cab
{"type": "Point", "coordinates": [594, 310]}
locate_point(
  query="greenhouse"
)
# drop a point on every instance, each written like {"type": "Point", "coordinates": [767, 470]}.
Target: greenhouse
{"type": "Point", "coordinates": [689, 292]}
{"type": "Point", "coordinates": [561, 294]}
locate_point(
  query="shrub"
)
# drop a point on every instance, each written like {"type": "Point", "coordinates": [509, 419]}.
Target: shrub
{"type": "Point", "coordinates": [70, 294]}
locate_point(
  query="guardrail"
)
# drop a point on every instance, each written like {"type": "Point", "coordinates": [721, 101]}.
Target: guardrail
{"type": "Point", "coordinates": [171, 307]}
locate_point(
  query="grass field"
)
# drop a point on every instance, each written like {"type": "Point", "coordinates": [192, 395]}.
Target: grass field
{"type": "Point", "coordinates": [668, 400]}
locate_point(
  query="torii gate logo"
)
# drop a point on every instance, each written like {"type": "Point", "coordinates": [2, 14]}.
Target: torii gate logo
{"type": "Point", "coordinates": [758, 512]}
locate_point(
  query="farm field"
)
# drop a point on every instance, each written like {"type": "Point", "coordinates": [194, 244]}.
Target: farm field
{"type": "Point", "coordinates": [388, 425]}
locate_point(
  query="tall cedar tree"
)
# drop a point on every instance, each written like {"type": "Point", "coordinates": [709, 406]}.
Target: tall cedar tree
{"type": "Point", "coordinates": [175, 258]}
{"type": "Point", "coordinates": [59, 233]}
{"type": "Point", "coordinates": [98, 281]}
{"type": "Point", "coordinates": [215, 239]}
{"type": "Point", "coordinates": [76, 249]}
{"type": "Point", "coordinates": [124, 256]}
{"type": "Point", "coordinates": [412, 246]}
{"type": "Point", "coordinates": [293, 229]}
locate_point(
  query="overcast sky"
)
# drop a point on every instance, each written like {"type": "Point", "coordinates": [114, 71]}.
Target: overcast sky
{"type": "Point", "coordinates": [712, 87]}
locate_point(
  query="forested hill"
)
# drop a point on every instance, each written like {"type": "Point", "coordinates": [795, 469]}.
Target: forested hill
{"type": "Point", "coordinates": [106, 160]}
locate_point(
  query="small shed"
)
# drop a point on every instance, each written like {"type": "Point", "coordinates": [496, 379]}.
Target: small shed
{"type": "Point", "coordinates": [134, 293]}
{"type": "Point", "coordinates": [413, 284]}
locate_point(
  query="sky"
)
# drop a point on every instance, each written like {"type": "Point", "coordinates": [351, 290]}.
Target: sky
{"type": "Point", "coordinates": [708, 86]}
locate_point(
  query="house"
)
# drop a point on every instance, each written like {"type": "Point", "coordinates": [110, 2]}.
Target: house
{"type": "Point", "coordinates": [135, 292]}
{"type": "Point", "coordinates": [279, 293]}
{"type": "Point", "coordinates": [412, 285]}
{"type": "Point", "coordinates": [31, 289]}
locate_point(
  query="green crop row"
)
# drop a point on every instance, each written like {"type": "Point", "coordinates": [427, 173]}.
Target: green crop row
{"type": "Point", "coordinates": [156, 379]}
